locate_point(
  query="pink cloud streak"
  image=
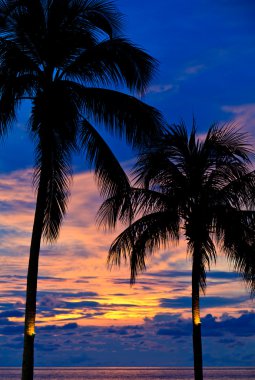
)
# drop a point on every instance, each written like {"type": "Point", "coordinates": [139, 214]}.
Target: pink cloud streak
{"type": "Point", "coordinates": [77, 261]}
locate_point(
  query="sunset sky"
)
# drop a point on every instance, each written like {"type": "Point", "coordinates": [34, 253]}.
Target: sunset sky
{"type": "Point", "coordinates": [88, 315]}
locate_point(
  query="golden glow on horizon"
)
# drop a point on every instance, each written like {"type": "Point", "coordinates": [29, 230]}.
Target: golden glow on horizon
{"type": "Point", "coordinates": [78, 265]}
{"type": "Point", "coordinates": [68, 316]}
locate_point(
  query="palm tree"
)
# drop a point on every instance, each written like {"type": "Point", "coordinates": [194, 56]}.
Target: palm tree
{"type": "Point", "coordinates": [203, 190]}
{"type": "Point", "coordinates": [65, 56]}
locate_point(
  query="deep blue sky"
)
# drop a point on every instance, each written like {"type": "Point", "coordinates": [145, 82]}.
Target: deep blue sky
{"type": "Point", "coordinates": [206, 54]}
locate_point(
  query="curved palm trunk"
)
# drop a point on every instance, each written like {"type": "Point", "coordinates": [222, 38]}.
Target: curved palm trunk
{"type": "Point", "coordinates": [197, 340]}
{"type": "Point", "coordinates": [29, 331]}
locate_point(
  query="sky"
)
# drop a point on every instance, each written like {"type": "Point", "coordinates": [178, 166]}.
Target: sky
{"type": "Point", "coordinates": [88, 315]}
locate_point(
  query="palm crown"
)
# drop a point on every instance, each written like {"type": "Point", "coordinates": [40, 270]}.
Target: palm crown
{"type": "Point", "coordinates": [202, 189]}
{"type": "Point", "coordinates": [64, 55]}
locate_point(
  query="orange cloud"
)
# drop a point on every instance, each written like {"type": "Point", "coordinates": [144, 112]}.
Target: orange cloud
{"type": "Point", "coordinates": [73, 272]}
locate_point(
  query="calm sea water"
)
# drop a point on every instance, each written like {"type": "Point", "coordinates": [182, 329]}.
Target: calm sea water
{"type": "Point", "coordinates": [130, 373]}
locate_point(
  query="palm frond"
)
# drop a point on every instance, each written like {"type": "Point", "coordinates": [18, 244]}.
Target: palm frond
{"type": "Point", "coordinates": [69, 32]}
{"type": "Point", "coordinates": [52, 167]}
{"type": "Point", "coordinates": [122, 115]}
{"type": "Point", "coordinates": [100, 14]}
{"type": "Point", "coordinates": [142, 238]}
{"type": "Point", "coordinates": [55, 32]}
{"type": "Point", "coordinates": [146, 201]}
{"type": "Point", "coordinates": [209, 184]}
{"type": "Point", "coordinates": [155, 170]}
{"type": "Point", "coordinates": [232, 143]}
{"type": "Point", "coordinates": [54, 126]}
{"type": "Point", "coordinates": [114, 209]}
{"type": "Point", "coordinates": [114, 61]}
{"type": "Point", "coordinates": [15, 59]}
{"type": "Point", "coordinates": [242, 256]}
{"type": "Point", "coordinates": [130, 203]}
{"type": "Point", "coordinates": [73, 26]}
{"type": "Point", "coordinates": [12, 89]}
{"type": "Point", "coordinates": [235, 233]}
{"type": "Point", "coordinates": [110, 176]}
{"type": "Point", "coordinates": [23, 23]}
{"type": "Point", "coordinates": [238, 193]}
{"type": "Point", "coordinates": [8, 106]}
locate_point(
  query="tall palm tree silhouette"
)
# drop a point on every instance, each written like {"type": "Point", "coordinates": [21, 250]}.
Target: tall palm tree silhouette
{"type": "Point", "coordinates": [204, 190]}
{"type": "Point", "coordinates": [65, 56]}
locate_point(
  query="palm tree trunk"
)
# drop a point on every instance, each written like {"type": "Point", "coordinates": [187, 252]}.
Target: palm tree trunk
{"type": "Point", "coordinates": [30, 313]}
{"type": "Point", "coordinates": [197, 340]}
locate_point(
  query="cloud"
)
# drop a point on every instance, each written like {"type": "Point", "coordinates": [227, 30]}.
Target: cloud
{"type": "Point", "coordinates": [66, 294]}
{"type": "Point", "coordinates": [207, 302]}
{"type": "Point", "coordinates": [242, 326]}
{"type": "Point", "coordinates": [75, 287]}
{"type": "Point", "coordinates": [194, 69]}
{"type": "Point", "coordinates": [82, 304]}
{"type": "Point", "coordinates": [243, 116]}
{"type": "Point", "coordinates": [159, 88]}
{"type": "Point", "coordinates": [160, 337]}
{"type": "Point", "coordinates": [189, 72]}
{"type": "Point", "coordinates": [187, 273]}
{"type": "Point", "coordinates": [11, 314]}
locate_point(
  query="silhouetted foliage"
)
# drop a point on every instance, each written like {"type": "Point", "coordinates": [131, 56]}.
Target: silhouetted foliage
{"type": "Point", "coordinates": [203, 189]}
{"type": "Point", "coordinates": [66, 56]}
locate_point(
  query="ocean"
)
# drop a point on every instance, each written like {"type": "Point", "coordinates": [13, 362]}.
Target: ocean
{"type": "Point", "coordinates": [134, 373]}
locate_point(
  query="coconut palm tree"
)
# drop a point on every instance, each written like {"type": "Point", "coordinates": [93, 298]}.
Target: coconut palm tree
{"type": "Point", "coordinates": [203, 190]}
{"type": "Point", "coordinates": [66, 57]}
